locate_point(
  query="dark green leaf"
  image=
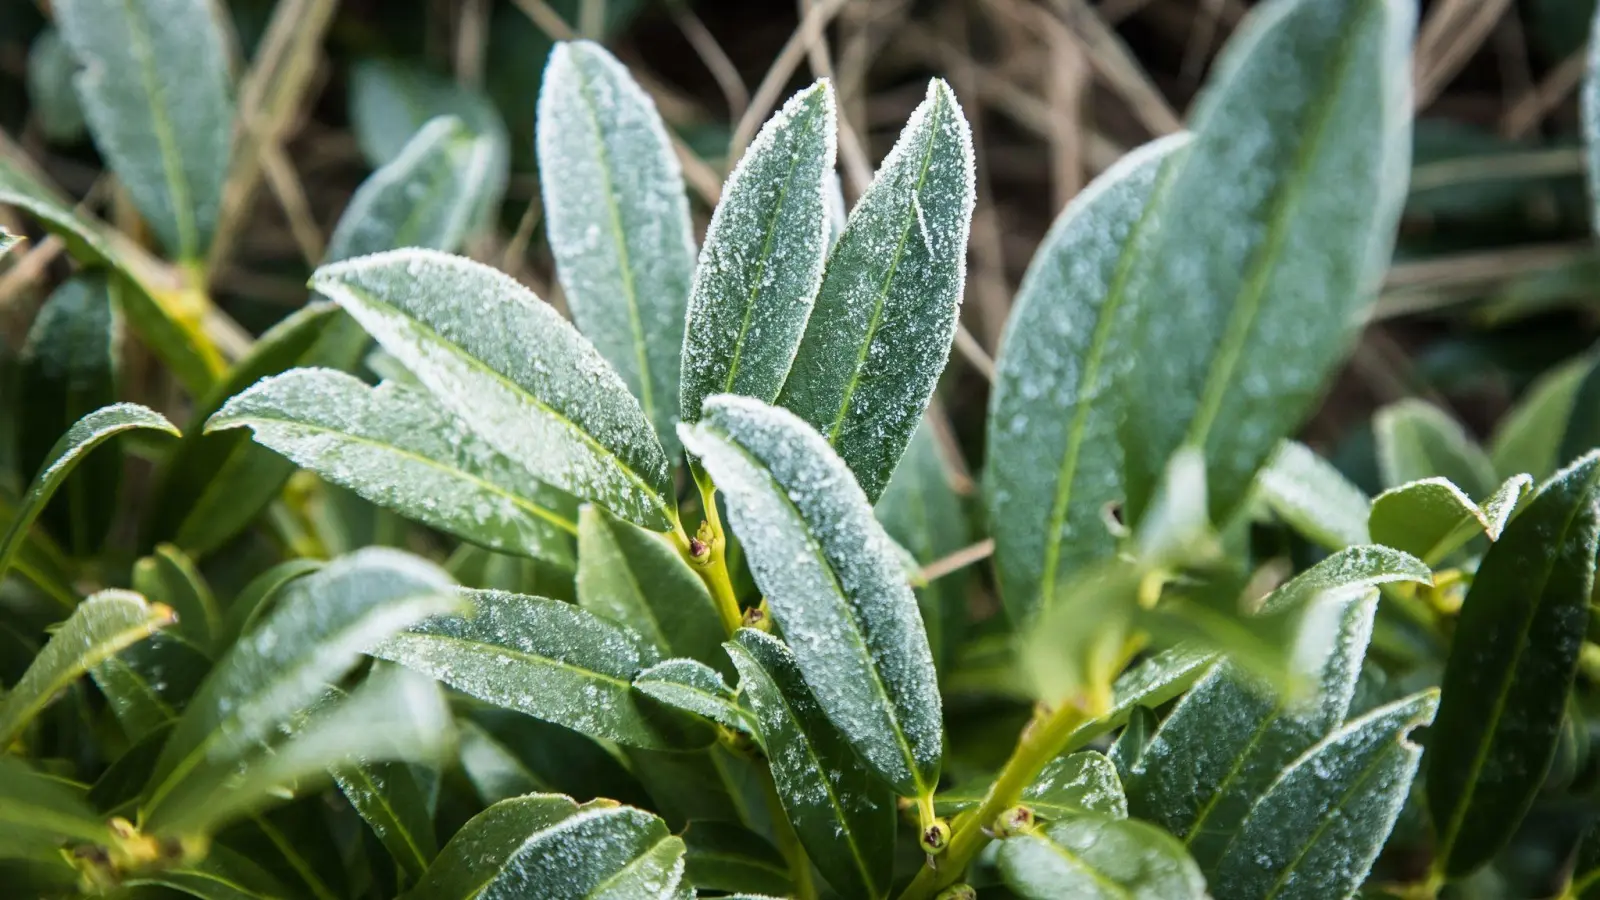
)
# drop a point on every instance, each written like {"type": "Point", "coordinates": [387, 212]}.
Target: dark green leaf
{"type": "Point", "coordinates": [723, 857]}
{"type": "Point", "coordinates": [762, 261]}
{"type": "Point", "coordinates": [1306, 491]}
{"type": "Point", "coordinates": [1431, 518]}
{"type": "Point", "coordinates": [1511, 665]}
{"type": "Point", "coordinates": [618, 222]}
{"type": "Point", "coordinates": [40, 813]}
{"type": "Point", "coordinates": [149, 683]}
{"type": "Point", "coordinates": [1529, 436]}
{"type": "Point", "coordinates": [843, 814]}
{"type": "Point", "coordinates": [550, 660]}
{"type": "Point", "coordinates": [514, 371]}
{"type": "Point", "coordinates": [880, 332]}
{"type": "Point", "coordinates": [506, 753]}
{"type": "Point", "coordinates": [257, 597]}
{"type": "Point", "coordinates": [1275, 228]}
{"type": "Point", "coordinates": [1128, 749]}
{"type": "Point", "coordinates": [833, 580]}
{"type": "Point", "coordinates": [170, 577]}
{"type": "Point", "coordinates": [1077, 784]}
{"type": "Point", "coordinates": [1417, 441]}
{"type": "Point", "coordinates": [1585, 884]}
{"type": "Point", "coordinates": [1096, 858]}
{"type": "Point", "coordinates": [693, 687]}
{"type": "Point", "coordinates": [1153, 682]}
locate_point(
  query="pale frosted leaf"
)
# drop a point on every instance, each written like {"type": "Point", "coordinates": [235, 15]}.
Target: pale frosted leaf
{"type": "Point", "coordinates": [1083, 783]}
{"type": "Point", "coordinates": [1096, 858]}
{"type": "Point", "coordinates": [1316, 500]}
{"type": "Point", "coordinates": [1416, 440]}
{"type": "Point", "coordinates": [1353, 567]}
{"type": "Point", "coordinates": [1431, 518]}
{"type": "Point", "coordinates": [693, 687]}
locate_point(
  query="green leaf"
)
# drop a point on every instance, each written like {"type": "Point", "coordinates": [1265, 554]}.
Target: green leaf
{"type": "Point", "coordinates": [221, 875]}
{"type": "Point", "coordinates": [1416, 440]}
{"type": "Point", "coordinates": [1228, 739]}
{"type": "Point", "coordinates": [833, 580]}
{"type": "Point", "coordinates": [40, 813]}
{"type": "Point", "coordinates": [214, 485]}
{"type": "Point", "coordinates": [101, 625]}
{"type": "Point", "coordinates": [1153, 682]}
{"type": "Point", "coordinates": [396, 447]}
{"type": "Point", "coordinates": [426, 196]}
{"type": "Point", "coordinates": [316, 633]}
{"type": "Point", "coordinates": [618, 222]}
{"type": "Point", "coordinates": [1275, 228]}
{"type": "Point", "coordinates": [1432, 518]}
{"type": "Point", "coordinates": [1134, 739]}
{"type": "Point", "coordinates": [40, 560]}
{"type": "Point", "coordinates": [1306, 491]}
{"type": "Point", "coordinates": [154, 86]}
{"type": "Point", "coordinates": [1070, 643]}
{"type": "Point", "coordinates": [1529, 437]}
{"type": "Point", "coordinates": [1352, 567]}
{"type": "Point", "coordinates": [636, 578]}
{"type": "Point", "coordinates": [256, 597]}
{"type": "Point", "coordinates": [1512, 662]}
{"type": "Point", "coordinates": [148, 684]}
{"type": "Point", "coordinates": [762, 261]}
{"type": "Point", "coordinates": [884, 318]}
{"type": "Point", "coordinates": [1096, 858]}
{"type": "Point", "coordinates": [545, 845]}
{"type": "Point", "coordinates": [1582, 432]}
{"type": "Point", "coordinates": [514, 371]}
{"type": "Point", "coordinates": [170, 577]}
{"type": "Point", "coordinates": [1317, 830]}
{"type": "Point", "coordinates": [1053, 464]}
{"type": "Point", "coordinates": [505, 753]}
{"type": "Point", "coordinates": [696, 688]}
{"type": "Point", "coordinates": [84, 435]}
{"type": "Point", "coordinates": [724, 857]}
{"type": "Point", "coordinates": [922, 513]}
{"type": "Point", "coordinates": [548, 659]}
{"type": "Point", "coordinates": [1075, 784]}
{"type": "Point", "coordinates": [51, 95]}
{"type": "Point", "coordinates": [843, 814]}
{"type": "Point", "coordinates": [1585, 883]}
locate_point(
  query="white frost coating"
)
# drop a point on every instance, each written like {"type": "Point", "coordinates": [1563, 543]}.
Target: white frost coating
{"type": "Point", "coordinates": [1306, 491]}
{"type": "Point", "coordinates": [834, 582]}
{"type": "Point", "coordinates": [512, 369]}
{"type": "Point", "coordinates": [396, 447]}
{"type": "Point", "coordinates": [763, 258]}
{"type": "Point", "coordinates": [1417, 440]}
{"type": "Point", "coordinates": [1353, 567]}
{"type": "Point", "coordinates": [1084, 781]}
{"type": "Point", "coordinates": [693, 686]}
{"type": "Point", "coordinates": [881, 329]}
{"type": "Point", "coordinates": [1502, 503]}
{"type": "Point", "coordinates": [1099, 858]}
{"type": "Point", "coordinates": [618, 220]}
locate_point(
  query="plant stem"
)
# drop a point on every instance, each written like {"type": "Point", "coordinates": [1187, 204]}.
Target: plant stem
{"type": "Point", "coordinates": [712, 564]}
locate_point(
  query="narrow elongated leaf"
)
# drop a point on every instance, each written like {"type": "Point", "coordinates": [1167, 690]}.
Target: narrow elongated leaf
{"type": "Point", "coordinates": [40, 559]}
{"type": "Point", "coordinates": [637, 579]}
{"type": "Point", "coordinates": [214, 485]}
{"type": "Point", "coordinates": [1076, 784]}
{"type": "Point", "coordinates": [724, 857]}
{"type": "Point", "coordinates": [844, 815]}
{"type": "Point", "coordinates": [149, 683]}
{"type": "Point", "coordinates": [1097, 858]}
{"type": "Point", "coordinates": [170, 577]}
{"type": "Point", "coordinates": [157, 101]}
{"type": "Point", "coordinates": [693, 687]}
{"type": "Point", "coordinates": [1512, 661]}
{"type": "Point", "coordinates": [97, 629]}
{"type": "Point", "coordinates": [315, 634]}
{"type": "Point", "coordinates": [83, 237]}
{"type": "Point", "coordinates": [84, 435]}
{"type": "Point", "coordinates": [1306, 491]}
{"type": "Point", "coordinates": [762, 261]}
{"type": "Point", "coordinates": [1230, 737]}
{"type": "Point", "coordinates": [1416, 440]}
{"type": "Point", "coordinates": [514, 371]}
{"type": "Point", "coordinates": [833, 581]}
{"type": "Point", "coordinates": [1529, 437]}
{"type": "Point", "coordinates": [221, 875]}
{"type": "Point", "coordinates": [545, 845]}
{"type": "Point", "coordinates": [1352, 567]}
{"type": "Point", "coordinates": [618, 222]}
{"type": "Point", "coordinates": [923, 514]}
{"type": "Point", "coordinates": [1431, 518]}
{"type": "Point", "coordinates": [39, 813]}
{"type": "Point", "coordinates": [1353, 784]}
{"type": "Point", "coordinates": [426, 196]}
{"type": "Point", "coordinates": [68, 369]}
{"type": "Point", "coordinates": [396, 447]}
{"type": "Point", "coordinates": [880, 332]}
{"type": "Point", "coordinates": [1275, 229]}
{"type": "Point", "coordinates": [255, 598]}
{"type": "Point", "coordinates": [1053, 463]}
{"type": "Point", "coordinates": [550, 660]}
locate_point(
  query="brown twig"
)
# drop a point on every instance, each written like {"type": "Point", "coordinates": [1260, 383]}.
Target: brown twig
{"type": "Point", "coordinates": [767, 93]}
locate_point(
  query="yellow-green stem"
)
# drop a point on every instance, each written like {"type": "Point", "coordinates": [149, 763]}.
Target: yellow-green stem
{"type": "Point", "coordinates": [712, 566]}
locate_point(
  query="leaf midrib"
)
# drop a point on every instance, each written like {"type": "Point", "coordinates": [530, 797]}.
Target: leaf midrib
{"type": "Point", "coordinates": [523, 655]}
{"type": "Point", "coordinates": [396, 823]}
{"type": "Point", "coordinates": [171, 155]}
{"type": "Point", "coordinates": [14, 718]}
{"type": "Point", "coordinates": [1077, 862]}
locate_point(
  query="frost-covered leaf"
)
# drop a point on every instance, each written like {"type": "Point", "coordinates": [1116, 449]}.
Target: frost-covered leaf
{"type": "Point", "coordinates": [761, 265]}
{"type": "Point", "coordinates": [51, 95]}
{"type": "Point", "coordinates": [1053, 463]}
{"type": "Point", "coordinates": [1512, 662]}
{"type": "Point", "coordinates": [84, 435]}
{"type": "Point", "coordinates": [693, 687]}
{"type": "Point", "coordinates": [396, 447]}
{"type": "Point", "coordinates": [1230, 737]}
{"type": "Point", "coordinates": [725, 857]}
{"type": "Point", "coordinates": [1431, 518]}
{"type": "Point", "coordinates": [213, 486]}
{"type": "Point", "coordinates": [100, 626]}
{"type": "Point", "coordinates": [1096, 858]}
{"type": "Point", "coordinates": [884, 318]}
{"type": "Point", "coordinates": [1529, 437]}
{"type": "Point", "coordinates": [1274, 230]}
{"type": "Point", "coordinates": [1353, 567]}
{"type": "Point", "coordinates": [833, 580]}
{"type": "Point", "coordinates": [38, 813]}
{"type": "Point", "coordinates": [426, 196]}
{"type": "Point", "coordinates": [148, 684]}
{"type": "Point", "coordinates": [1416, 440]}
{"type": "Point", "coordinates": [545, 845]}
{"type": "Point", "coordinates": [548, 659]}
{"type": "Point", "coordinates": [1153, 682]}
{"type": "Point", "coordinates": [618, 221]}
{"type": "Point", "coordinates": [69, 367]}
{"type": "Point", "coordinates": [843, 814]}
{"type": "Point", "coordinates": [1316, 500]}
{"type": "Point", "coordinates": [315, 633]}
{"type": "Point", "coordinates": [637, 579]}
{"type": "Point", "coordinates": [514, 371]}
{"type": "Point", "coordinates": [168, 576]}
{"type": "Point", "coordinates": [155, 89]}
{"type": "Point", "coordinates": [1076, 784]}
{"type": "Point", "coordinates": [1317, 830]}
{"type": "Point", "coordinates": [924, 515]}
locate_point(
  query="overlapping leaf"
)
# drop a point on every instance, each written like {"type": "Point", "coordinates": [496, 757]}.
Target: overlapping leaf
{"type": "Point", "coordinates": [1416, 440]}
{"type": "Point", "coordinates": [1432, 517]}
{"type": "Point", "coordinates": [1098, 858]}
{"type": "Point", "coordinates": [1306, 491]}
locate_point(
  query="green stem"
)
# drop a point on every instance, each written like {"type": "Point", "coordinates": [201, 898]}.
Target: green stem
{"type": "Point", "coordinates": [712, 566]}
